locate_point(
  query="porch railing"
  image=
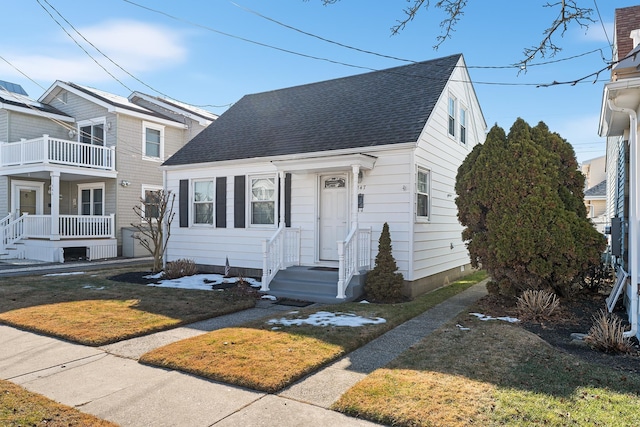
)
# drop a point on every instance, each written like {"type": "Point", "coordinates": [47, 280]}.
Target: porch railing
{"type": "Point", "coordinates": [354, 255]}
{"type": "Point", "coordinates": [69, 226]}
{"type": "Point", "coordinates": [59, 151]}
{"type": "Point", "coordinates": [12, 230]}
{"type": "Point", "coordinates": [279, 252]}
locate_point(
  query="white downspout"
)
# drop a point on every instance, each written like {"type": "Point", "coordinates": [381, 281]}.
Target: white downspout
{"type": "Point", "coordinates": [634, 213]}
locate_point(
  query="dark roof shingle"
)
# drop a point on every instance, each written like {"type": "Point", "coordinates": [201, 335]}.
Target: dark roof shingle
{"type": "Point", "coordinates": [382, 107]}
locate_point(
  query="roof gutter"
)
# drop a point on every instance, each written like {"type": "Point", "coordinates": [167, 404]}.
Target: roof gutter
{"type": "Point", "coordinates": [634, 213]}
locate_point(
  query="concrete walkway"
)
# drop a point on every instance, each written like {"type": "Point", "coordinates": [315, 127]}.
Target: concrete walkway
{"type": "Point", "coordinates": [109, 383]}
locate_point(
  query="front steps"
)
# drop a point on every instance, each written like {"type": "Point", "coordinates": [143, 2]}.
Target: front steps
{"type": "Point", "coordinates": [315, 284]}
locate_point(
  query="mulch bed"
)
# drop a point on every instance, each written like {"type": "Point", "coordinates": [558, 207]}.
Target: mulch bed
{"type": "Point", "coordinates": [575, 315]}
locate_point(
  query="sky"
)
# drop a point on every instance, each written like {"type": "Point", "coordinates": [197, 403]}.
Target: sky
{"type": "Point", "coordinates": [211, 53]}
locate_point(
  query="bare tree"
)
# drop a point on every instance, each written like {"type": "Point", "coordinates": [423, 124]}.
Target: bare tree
{"type": "Point", "coordinates": [156, 214]}
{"type": "Point", "coordinates": [570, 13]}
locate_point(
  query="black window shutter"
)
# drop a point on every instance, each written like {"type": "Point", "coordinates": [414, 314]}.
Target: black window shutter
{"type": "Point", "coordinates": [183, 203]}
{"type": "Point", "coordinates": [221, 202]}
{"type": "Point", "coordinates": [287, 200]}
{"type": "Point", "coordinates": [239, 196]}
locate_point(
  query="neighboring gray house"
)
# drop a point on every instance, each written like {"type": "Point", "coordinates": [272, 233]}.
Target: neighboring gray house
{"type": "Point", "coordinates": [295, 184]}
{"type": "Point", "coordinates": [619, 123]}
{"type": "Point", "coordinates": [74, 163]}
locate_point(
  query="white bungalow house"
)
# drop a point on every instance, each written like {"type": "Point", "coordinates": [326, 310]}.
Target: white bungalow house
{"type": "Point", "coordinates": [294, 185]}
{"type": "Point", "coordinates": [619, 123]}
{"type": "Point", "coordinates": [75, 162]}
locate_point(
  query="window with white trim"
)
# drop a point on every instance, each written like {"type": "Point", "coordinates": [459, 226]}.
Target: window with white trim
{"type": "Point", "coordinates": [92, 131]}
{"type": "Point", "coordinates": [423, 193]}
{"type": "Point", "coordinates": [203, 199]}
{"type": "Point", "coordinates": [452, 116]}
{"type": "Point", "coordinates": [263, 200]}
{"type": "Point", "coordinates": [91, 199]}
{"type": "Point", "coordinates": [463, 126]}
{"type": "Point", "coordinates": [151, 195]}
{"type": "Point", "coordinates": [152, 140]}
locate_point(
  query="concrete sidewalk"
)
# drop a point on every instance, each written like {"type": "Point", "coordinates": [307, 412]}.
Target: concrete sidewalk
{"type": "Point", "coordinates": [109, 383]}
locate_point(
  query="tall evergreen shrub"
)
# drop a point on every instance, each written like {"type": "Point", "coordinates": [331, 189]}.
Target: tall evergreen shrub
{"type": "Point", "coordinates": [520, 199]}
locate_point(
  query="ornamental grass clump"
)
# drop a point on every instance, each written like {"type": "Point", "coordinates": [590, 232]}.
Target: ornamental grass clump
{"type": "Point", "coordinates": [180, 268]}
{"type": "Point", "coordinates": [607, 334]}
{"type": "Point", "coordinates": [537, 304]}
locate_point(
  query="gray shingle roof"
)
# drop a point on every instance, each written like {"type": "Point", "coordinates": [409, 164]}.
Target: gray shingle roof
{"type": "Point", "coordinates": [382, 107]}
{"type": "Point", "coordinates": [598, 190]}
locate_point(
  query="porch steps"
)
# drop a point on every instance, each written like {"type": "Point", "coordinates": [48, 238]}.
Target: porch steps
{"type": "Point", "coordinates": [315, 284]}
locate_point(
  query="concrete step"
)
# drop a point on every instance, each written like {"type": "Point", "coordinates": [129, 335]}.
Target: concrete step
{"type": "Point", "coordinates": [313, 284]}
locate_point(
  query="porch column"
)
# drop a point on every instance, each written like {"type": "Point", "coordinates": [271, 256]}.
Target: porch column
{"type": "Point", "coordinates": [55, 206]}
{"type": "Point", "coordinates": [354, 196]}
{"type": "Point", "coordinates": [281, 176]}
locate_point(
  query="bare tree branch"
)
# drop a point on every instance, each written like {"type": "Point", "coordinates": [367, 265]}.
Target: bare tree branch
{"type": "Point", "coordinates": [154, 229]}
{"type": "Point", "coordinates": [570, 14]}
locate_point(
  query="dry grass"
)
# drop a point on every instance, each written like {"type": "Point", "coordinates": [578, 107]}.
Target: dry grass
{"type": "Point", "coordinates": [607, 334]}
{"type": "Point", "coordinates": [258, 357]}
{"type": "Point", "coordinates": [19, 407]}
{"type": "Point", "coordinates": [92, 310]}
{"type": "Point", "coordinates": [537, 304]}
{"type": "Point", "coordinates": [493, 374]}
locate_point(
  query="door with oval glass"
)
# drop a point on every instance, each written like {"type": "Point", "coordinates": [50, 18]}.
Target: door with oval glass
{"type": "Point", "coordinates": [333, 215]}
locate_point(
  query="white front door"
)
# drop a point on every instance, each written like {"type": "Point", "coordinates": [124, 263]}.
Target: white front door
{"type": "Point", "coordinates": [27, 197]}
{"type": "Point", "coordinates": [333, 215]}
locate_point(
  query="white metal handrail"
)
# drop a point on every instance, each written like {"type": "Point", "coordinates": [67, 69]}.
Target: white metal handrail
{"type": "Point", "coordinates": [354, 255]}
{"type": "Point", "coordinates": [59, 151]}
{"type": "Point", "coordinates": [280, 251]}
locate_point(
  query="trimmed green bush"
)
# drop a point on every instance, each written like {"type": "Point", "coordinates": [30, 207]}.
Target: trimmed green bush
{"type": "Point", "coordinates": [383, 284]}
{"type": "Point", "coordinates": [520, 197]}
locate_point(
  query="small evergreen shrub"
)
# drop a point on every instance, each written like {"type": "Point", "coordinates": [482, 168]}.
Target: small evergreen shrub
{"type": "Point", "coordinates": [537, 304]}
{"type": "Point", "coordinates": [180, 268]}
{"type": "Point", "coordinates": [383, 284]}
{"type": "Point", "coordinates": [607, 334]}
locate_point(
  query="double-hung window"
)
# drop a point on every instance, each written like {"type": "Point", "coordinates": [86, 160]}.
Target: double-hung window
{"type": "Point", "coordinates": [152, 197]}
{"type": "Point", "coordinates": [263, 200]}
{"type": "Point", "coordinates": [91, 199]}
{"type": "Point", "coordinates": [463, 126]}
{"type": "Point", "coordinates": [203, 199]}
{"type": "Point", "coordinates": [152, 141]}
{"type": "Point", "coordinates": [423, 192]}
{"type": "Point", "coordinates": [452, 116]}
{"type": "Point", "coordinates": [91, 131]}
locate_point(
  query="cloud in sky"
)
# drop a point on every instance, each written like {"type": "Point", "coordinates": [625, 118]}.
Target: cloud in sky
{"type": "Point", "coordinates": [136, 46]}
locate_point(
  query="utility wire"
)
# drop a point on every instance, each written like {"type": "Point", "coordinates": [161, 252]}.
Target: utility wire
{"type": "Point", "coordinates": [107, 57]}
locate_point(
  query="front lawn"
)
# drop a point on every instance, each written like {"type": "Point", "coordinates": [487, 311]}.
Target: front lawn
{"type": "Point", "coordinates": [495, 373]}
{"type": "Point", "coordinates": [272, 353]}
{"type": "Point", "coordinates": [19, 407]}
{"type": "Point", "coordinates": [90, 309]}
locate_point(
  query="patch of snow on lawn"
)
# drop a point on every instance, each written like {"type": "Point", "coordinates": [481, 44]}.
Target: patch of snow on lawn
{"type": "Point", "coordinates": [326, 318]}
{"type": "Point", "coordinates": [71, 273]}
{"type": "Point", "coordinates": [269, 297]}
{"type": "Point", "coordinates": [93, 287]}
{"type": "Point", "coordinates": [202, 282]}
{"type": "Point", "coordinates": [505, 319]}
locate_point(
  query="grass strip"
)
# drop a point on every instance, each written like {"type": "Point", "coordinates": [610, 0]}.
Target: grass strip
{"type": "Point", "coordinates": [91, 309]}
{"type": "Point", "coordinates": [493, 374]}
{"type": "Point", "coordinates": [19, 407]}
{"type": "Point", "coordinates": [265, 357]}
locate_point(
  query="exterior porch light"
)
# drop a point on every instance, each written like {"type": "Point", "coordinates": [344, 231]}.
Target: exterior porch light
{"type": "Point", "coordinates": [125, 183]}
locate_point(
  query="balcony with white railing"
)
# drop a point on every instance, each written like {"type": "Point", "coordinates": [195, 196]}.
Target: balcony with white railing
{"type": "Point", "coordinates": [47, 150]}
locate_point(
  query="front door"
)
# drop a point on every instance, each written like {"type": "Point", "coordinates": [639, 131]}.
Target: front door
{"type": "Point", "coordinates": [333, 215]}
